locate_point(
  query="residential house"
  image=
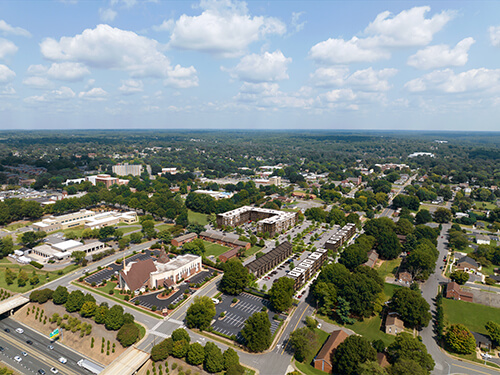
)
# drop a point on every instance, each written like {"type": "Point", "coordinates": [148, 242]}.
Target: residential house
{"type": "Point", "coordinates": [482, 239]}
{"type": "Point", "coordinates": [323, 360]}
{"type": "Point", "coordinates": [393, 325]}
{"type": "Point", "coordinates": [482, 341]}
{"type": "Point", "coordinates": [405, 277]}
{"type": "Point", "coordinates": [454, 291]}
{"type": "Point", "coordinates": [467, 264]}
{"type": "Point", "coordinates": [372, 259]}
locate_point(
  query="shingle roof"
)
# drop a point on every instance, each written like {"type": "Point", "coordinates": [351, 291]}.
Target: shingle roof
{"type": "Point", "coordinates": [335, 339]}
{"type": "Point", "coordinates": [138, 274]}
{"type": "Point", "coordinates": [270, 255]}
{"type": "Point", "coordinates": [467, 259]}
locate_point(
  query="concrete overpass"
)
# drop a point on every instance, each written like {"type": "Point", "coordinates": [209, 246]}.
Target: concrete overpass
{"type": "Point", "coordinates": [12, 303]}
{"type": "Point", "coordinates": [127, 363]}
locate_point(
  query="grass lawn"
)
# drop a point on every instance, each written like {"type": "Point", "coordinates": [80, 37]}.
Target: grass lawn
{"type": "Point", "coordinates": [389, 290]}
{"type": "Point", "coordinates": [142, 330]}
{"type": "Point", "coordinates": [370, 330]}
{"type": "Point", "coordinates": [488, 270]}
{"type": "Point", "coordinates": [42, 276]}
{"type": "Point", "coordinates": [214, 249]}
{"type": "Point", "coordinates": [322, 337]}
{"type": "Point", "coordinates": [485, 205]}
{"type": "Point", "coordinates": [473, 315]}
{"type": "Point", "coordinates": [388, 267]}
{"type": "Point", "coordinates": [163, 227]}
{"type": "Point", "coordinates": [18, 225]}
{"type": "Point", "coordinates": [196, 217]}
{"type": "Point", "coordinates": [110, 285]}
{"type": "Point", "coordinates": [252, 250]}
{"type": "Point", "coordinates": [126, 230]}
{"type": "Point", "coordinates": [308, 369]}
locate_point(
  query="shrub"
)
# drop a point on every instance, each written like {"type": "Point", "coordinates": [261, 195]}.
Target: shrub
{"type": "Point", "coordinates": [127, 335]}
{"type": "Point", "coordinates": [36, 264]}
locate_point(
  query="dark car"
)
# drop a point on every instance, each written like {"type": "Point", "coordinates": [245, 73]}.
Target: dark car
{"type": "Point", "coordinates": [7, 330]}
{"type": "Point", "coordinates": [29, 342]}
{"type": "Point", "coordinates": [41, 371]}
{"type": "Point", "coordinates": [2, 348]}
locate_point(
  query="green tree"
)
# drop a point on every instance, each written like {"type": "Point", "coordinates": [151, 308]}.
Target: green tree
{"type": "Point", "coordinates": [196, 354]}
{"type": "Point", "coordinates": [165, 235]}
{"type": "Point", "coordinates": [407, 367]}
{"type": "Point", "coordinates": [351, 353]}
{"type": "Point", "coordinates": [75, 301]}
{"type": "Point", "coordinates": [88, 309]}
{"type": "Point", "coordinates": [230, 358]}
{"type": "Point", "coordinates": [411, 306]}
{"type": "Point", "coordinates": [459, 339]}
{"type": "Point", "coordinates": [161, 351]}
{"type": "Point", "coordinates": [494, 332]}
{"type": "Point", "coordinates": [407, 347]}
{"type": "Point", "coordinates": [100, 314]}
{"type": "Point", "coordinates": [214, 361]}
{"type": "Point", "coordinates": [200, 313]}
{"type": "Point", "coordinates": [371, 368]}
{"type": "Point", "coordinates": [281, 294]}
{"type": "Point", "coordinates": [388, 245]}
{"type": "Point", "coordinates": [182, 219]}
{"type": "Point", "coordinates": [123, 243]}
{"type": "Point", "coordinates": [423, 216]}
{"type": "Point", "coordinates": [31, 239]}
{"type": "Point", "coordinates": [442, 215]}
{"type": "Point", "coordinates": [181, 334]}
{"type": "Point", "coordinates": [353, 256]}
{"type": "Point", "coordinates": [106, 232]}
{"type": "Point", "coordinates": [78, 256]}
{"type": "Point", "coordinates": [9, 276]}
{"type": "Point", "coordinates": [303, 341]}
{"type": "Point", "coordinates": [60, 295]}
{"type": "Point", "coordinates": [257, 332]}
{"type": "Point", "coordinates": [114, 318]}
{"type": "Point", "coordinates": [460, 277]}
{"type": "Point", "coordinates": [180, 348]}
{"type": "Point", "coordinates": [128, 334]}
{"type": "Point", "coordinates": [22, 278]}
{"type": "Point", "coordinates": [311, 323]}
{"type": "Point", "coordinates": [235, 278]}
{"type": "Point", "coordinates": [136, 237]}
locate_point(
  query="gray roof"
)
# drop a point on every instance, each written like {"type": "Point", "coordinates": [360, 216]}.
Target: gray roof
{"type": "Point", "coordinates": [467, 259]}
{"type": "Point", "coordinates": [270, 255]}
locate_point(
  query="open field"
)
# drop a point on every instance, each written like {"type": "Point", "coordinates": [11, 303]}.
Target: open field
{"type": "Point", "coordinates": [472, 315]}
{"type": "Point", "coordinates": [196, 217]}
{"type": "Point", "coordinates": [388, 267]}
{"type": "Point", "coordinates": [252, 250]}
{"type": "Point", "coordinates": [214, 249]}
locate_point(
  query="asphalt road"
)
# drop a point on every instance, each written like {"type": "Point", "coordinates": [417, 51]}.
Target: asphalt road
{"type": "Point", "coordinates": [39, 356]}
{"type": "Point", "coordinates": [444, 363]}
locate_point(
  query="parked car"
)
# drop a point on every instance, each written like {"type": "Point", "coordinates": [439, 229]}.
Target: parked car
{"type": "Point", "coordinates": [41, 371]}
{"type": "Point", "coordinates": [51, 347]}
{"type": "Point", "coordinates": [54, 370]}
{"type": "Point", "coordinates": [7, 330]}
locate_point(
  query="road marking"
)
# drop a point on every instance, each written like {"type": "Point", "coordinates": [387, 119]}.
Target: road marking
{"type": "Point", "coordinates": [294, 328]}
{"type": "Point", "coordinates": [468, 368]}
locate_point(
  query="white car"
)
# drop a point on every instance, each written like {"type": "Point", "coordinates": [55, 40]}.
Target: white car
{"type": "Point", "coordinates": [54, 370]}
{"type": "Point", "coordinates": [486, 356]}
{"type": "Point", "coordinates": [63, 360]}
{"type": "Point", "coordinates": [319, 326]}
{"type": "Point", "coordinates": [17, 358]}
{"type": "Point", "coordinates": [19, 330]}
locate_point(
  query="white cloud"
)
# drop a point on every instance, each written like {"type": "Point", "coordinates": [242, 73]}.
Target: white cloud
{"type": "Point", "coordinates": [447, 81]}
{"type": "Point", "coordinates": [6, 75]}
{"type": "Point", "coordinates": [494, 35]}
{"type": "Point", "coordinates": [66, 71]}
{"type": "Point", "coordinates": [339, 95]}
{"type": "Point", "coordinates": [166, 25]}
{"type": "Point", "coordinates": [266, 67]}
{"type": "Point", "coordinates": [126, 3]}
{"type": "Point", "coordinates": [97, 94]}
{"type": "Point", "coordinates": [107, 47]}
{"type": "Point", "coordinates": [131, 86]}
{"type": "Point", "coordinates": [181, 77]}
{"type": "Point", "coordinates": [37, 82]}
{"type": "Point", "coordinates": [441, 55]}
{"type": "Point", "coordinates": [61, 94]}
{"type": "Point", "coordinates": [340, 51]}
{"type": "Point", "coordinates": [8, 91]}
{"type": "Point", "coordinates": [409, 28]}
{"type": "Point", "coordinates": [5, 28]}
{"type": "Point", "coordinates": [107, 15]}
{"type": "Point", "coordinates": [296, 25]}
{"type": "Point", "coordinates": [7, 48]}
{"type": "Point", "coordinates": [326, 77]}
{"type": "Point", "coordinates": [224, 28]}
{"type": "Point", "coordinates": [366, 79]}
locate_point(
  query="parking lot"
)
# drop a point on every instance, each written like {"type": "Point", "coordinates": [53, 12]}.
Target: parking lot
{"type": "Point", "coordinates": [235, 317]}
{"type": "Point", "coordinates": [150, 300]}
{"type": "Point", "coordinates": [109, 271]}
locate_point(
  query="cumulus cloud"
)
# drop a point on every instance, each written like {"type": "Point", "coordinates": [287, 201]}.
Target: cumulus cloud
{"type": "Point", "coordinates": [5, 28]}
{"type": "Point", "coordinates": [224, 28]}
{"type": "Point", "coordinates": [107, 47]}
{"type": "Point", "coordinates": [37, 82]}
{"type": "Point", "coordinates": [7, 48]}
{"type": "Point", "coordinates": [66, 71]}
{"type": "Point", "coordinates": [339, 95]}
{"type": "Point", "coordinates": [61, 94]}
{"type": "Point", "coordinates": [182, 78]}
{"type": "Point", "coordinates": [107, 15]}
{"type": "Point", "coordinates": [131, 86]}
{"type": "Point", "coordinates": [296, 24]}
{"type": "Point", "coordinates": [166, 25]}
{"type": "Point", "coordinates": [409, 28]}
{"type": "Point", "coordinates": [366, 79]}
{"type": "Point", "coordinates": [447, 81]}
{"type": "Point", "coordinates": [96, 94]}
{"type": "Point", "coordinates": [266, 67]}
{"type": "Point", "coordinates": [440, 56]}
{"type": "Point", "coordinates": [6, 75]}
{"type": "Point", "coordinates": [494, 35]}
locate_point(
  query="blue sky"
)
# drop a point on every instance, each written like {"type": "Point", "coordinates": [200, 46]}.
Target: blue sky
{"type": "Point", "coordinates": [256, 64]}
